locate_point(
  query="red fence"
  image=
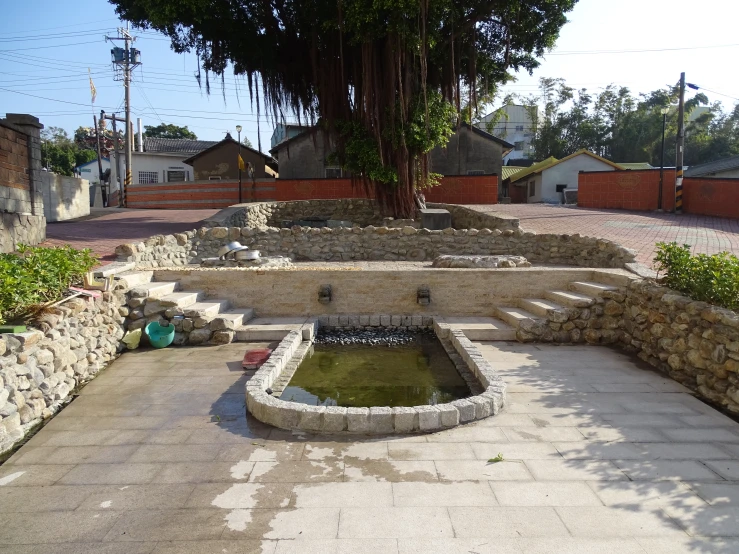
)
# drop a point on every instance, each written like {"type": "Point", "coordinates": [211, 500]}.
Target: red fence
{"type": "Point", "coordinates": [639, 190]}
{"type": "Point", "coordinates": [477, 189]}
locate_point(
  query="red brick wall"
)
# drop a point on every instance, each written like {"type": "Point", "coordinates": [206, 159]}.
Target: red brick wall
{"type": "Point", "coordinates": [638, 190]}
{"type": "Point", "coordinates": [13, 159]}
{"type": "Point", "coordinates": [481, 189]}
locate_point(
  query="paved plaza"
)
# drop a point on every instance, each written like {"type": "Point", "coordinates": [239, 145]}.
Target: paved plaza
{"type": "Point", "coordinates": [637, 230]}
{"type": "Point", "coordinates": [599, 455]}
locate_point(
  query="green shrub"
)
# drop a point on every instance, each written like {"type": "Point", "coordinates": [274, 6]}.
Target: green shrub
{"type": "Point", "coordinates": [710, 278]}
{"type": "Point", "coordinates": [38, 275]}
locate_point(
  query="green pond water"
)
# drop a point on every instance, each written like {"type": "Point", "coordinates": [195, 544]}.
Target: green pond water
{"type": "Point", "coordinates": [363, 376]}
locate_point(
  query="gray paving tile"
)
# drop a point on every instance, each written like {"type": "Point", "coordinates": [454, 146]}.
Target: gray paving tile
{"type": "Point", "coordinates": [110, 474]}
{"type": "Point", "coordinates": [659, 470]}
{"type": "Point", "coordinates": [512, 522]}
{"type": "Point", "coordinates": [688, 545]}
{"type": "Point", "coordinates": [337, 546]}
{"type": "Point", "coordinates": [292, 524]}
{"type": "Point", "coordinates": [297, 472]}
{"type": "Point", "coordinates": [344, 495]}
{"type": "Point", "coordinates": [624, 434]}
{"type": "Point", "coordinates": [546, 493]}
{"type": "Point", "coordinates": [711, 521]}
{"type": "Point", "coordinates": [166, 525]}
{"type": "Point", "coordinates": [469, 433]}
{"type": "Point", "coordinates": [574, 470]}
{"type": "Point", "coordinates": [728, 469]}
{"type": "Point", "coordinates": [431, 451]}
{"type": "Point", "coordinates": [580, 546]}
{"type": "Point", "coordinates": [32, 475]}
{"type": "Point", "coordinates": [252, 546]}
{"type": "Point", "coordinates": [203, 472]}
{"type": "Point", "coordinates": [153, 453]}
{"type": "Point", "coordinates": [55, 527]}
{"type": "Point", "coordinates": [631, 495]}
{"type": "Point", "coordinates": [94, 548]}
{"type": "Point", "coordinates": [390, 470]}
{"type": "Point", "coordinates": [516, 450]}
{"type": "Point", "coordinates": [542, 434]}
{"type": "Point", "coordinates": [241, 496]}
{"type": "Point", "coordinates": [482, 470]}
{"type": "Point", "coordinates": [72, 455]}
{"type": "Point", "coordinates": [42, 499]}
{"type": "Point", "coordinates": [719, 434]}
{"type": "Point", "coordinates": [721, 494]}
{"type": "Point", "coordinates": [137, 497]}
{"type": "Point", "coordinates": [459, 546]}
{"type": "Point", "coordinates": [260, 451]}
{"type": "Point", "coordinates": [443, 494]}
{"type": "Point", "coordinates": [393, 523]}
{"type": "Point", "coordinates": [609, 521]}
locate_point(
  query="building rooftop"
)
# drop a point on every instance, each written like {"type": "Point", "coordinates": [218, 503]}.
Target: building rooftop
{"type": "Point", "coordinates": [184, 146]}
{"type": "Point", "coordinates": [709, 168]}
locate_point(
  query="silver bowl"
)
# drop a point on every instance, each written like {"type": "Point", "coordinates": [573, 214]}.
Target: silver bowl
{"type": "Point", "coordinates": [223, 250]}
{"type": "Point", "coordinates": [234, 253]}
{"type": "Point", "coordinates": [243, 255]}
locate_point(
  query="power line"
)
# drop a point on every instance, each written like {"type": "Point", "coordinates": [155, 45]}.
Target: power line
{"type": "Point", "coordinates": [70, 25]}
{"type": "Point", "coordinates": [49, 46]}
{"type": "Point", "coordinates": [53, 36]}
{"type": "Point", "coordinates": [585, 52]}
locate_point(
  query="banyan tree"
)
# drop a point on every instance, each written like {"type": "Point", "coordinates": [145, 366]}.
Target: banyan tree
{"type": "Point", "coordinates": [387, 80]}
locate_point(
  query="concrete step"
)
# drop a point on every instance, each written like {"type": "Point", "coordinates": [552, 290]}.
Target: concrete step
{"type": "Point", "coordinates": [540, 307]}
{"type": "Point", "coordinates": [513, 316]}
{"type": "Point", "coordinates": [154, 289]}
{"type": "Point", "coordinates": [208, 309]}
{"type": "Point", "coordinates": [482, 328]}
{"type": "Point", "coordinates": [269, 328]}
{"type": "Point", "coordinates": [135, 278]}
{"type": "Point", "coordinates": [236, 317]}
{"type": "Point", "coordinates": [181, 299]}
{"type": "Point", "coordinates": [590, 287]}
{"type": "Point", "coordinates": [114, 269]}
{"type": "Point", "coordinates": [570, 298]}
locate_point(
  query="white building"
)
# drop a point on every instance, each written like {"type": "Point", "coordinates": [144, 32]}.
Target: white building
{"type": "Point", "coordinates": [162, 160]}
{"type": "Point", "coordinates": [512, 123]}
{"type": "Point", "coordinates": [91, 172]}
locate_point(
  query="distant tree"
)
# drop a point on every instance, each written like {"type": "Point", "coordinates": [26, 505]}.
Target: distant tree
{"type": "Point", "coordinates": [85, 139]}
{"type": "Point", "coordinates": [168, 130]}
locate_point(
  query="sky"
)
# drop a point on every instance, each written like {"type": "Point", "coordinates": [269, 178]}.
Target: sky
{"type": "Point", "coordinates": [47, 47]}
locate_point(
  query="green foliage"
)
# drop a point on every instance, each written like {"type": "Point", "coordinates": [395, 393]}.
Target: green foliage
{"type": "Point", "coordinates": [498, 458]}
{"type": "Point", "coordinates": [619, 126]}
{"type": "Point", "coordinates": [709, 278]}
{"type": "Point", "coordinates": [168, 130]}
{"type": "Point", "coordinates": [421, 134]}
{"type": "Point", "coordinates": [60, 154]}
{"type": "Point", "coordinates": [362, 155]}
{"type": "Point", "coordinates": [37, 275]}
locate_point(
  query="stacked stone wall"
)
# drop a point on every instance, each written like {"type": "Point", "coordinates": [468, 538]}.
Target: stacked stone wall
{"type": "Point", "coordinates": [39, 369]}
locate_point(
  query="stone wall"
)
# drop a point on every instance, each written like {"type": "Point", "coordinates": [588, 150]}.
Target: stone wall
{"type": "Point", "coordinates": [695, 343]}
{"type": "Point", "coordinates": [359, 211]}
{"type": "Point", "coordinates": [65, 197]}
{"type": "Point", "coordinates": [377, 243]}
{"type": "Point", "coordinates": [39, 369]}
{"type": "Point", "coordinates": [17, 228]}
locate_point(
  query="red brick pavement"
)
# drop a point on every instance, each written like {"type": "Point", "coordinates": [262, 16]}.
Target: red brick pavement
{"type": "Point", "coordinates": [102, 234]}
{"type": "Point", "coordinates": [637, 230]}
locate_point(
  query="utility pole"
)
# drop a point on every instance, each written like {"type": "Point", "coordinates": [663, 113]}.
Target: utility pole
{"type": "Point", "coordinates": [124, 61]}
{"type": "Point", "coordinates": [116, 149]}
{"type": "Point", "coordinates": [680, 148]}
{"type": "Point", "coordinates": [103, 192]}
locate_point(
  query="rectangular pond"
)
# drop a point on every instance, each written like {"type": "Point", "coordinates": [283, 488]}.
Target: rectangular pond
{"type": "Point", "coordinates": [413, 374]}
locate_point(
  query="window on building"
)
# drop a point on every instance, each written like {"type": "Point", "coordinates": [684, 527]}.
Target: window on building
{"type": "Point", "coordinates": [476, 172]}
{"type": "Point", "coordinates": [519, 145]}
{"type": "Point", "coordinates": [333, 172]}
{"type": "Point", "coordinates": [175, 176]}
{"type": "Point", "coordinates": [214, 178]}
{"type": "Point", "coordinates": [532, 188]}
{"type": "Point", "coordinates": [519, 127]}
{"type": "Point", "coordinates": [148, 177]}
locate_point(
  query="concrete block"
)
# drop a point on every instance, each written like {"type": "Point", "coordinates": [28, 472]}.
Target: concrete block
{"type": "Point", "coordinates": [483, 408]}
{"type": "Point", "coordinates": [311, 418]}
{"type": "Point", "coordinates": [384, 321]}
{"type": "Point", "coordinates": [374, 320]}
{"type": "Point", "coordinates": [334, 419]}
{"type": "Point", "coordinates": [429, 418]}
{"type": "Point", "coordinates": [357, 420]}
{"type": "Point", "coordinates": [381, 420]}
{"type": "Point", "coordinates": [435, 219]}
{"type": "Point", "coordinates": [466, 410]}
{"type": "Point", "coordinates": [405, 420]}
{"type": "Point", "coordinates": [449, 415]}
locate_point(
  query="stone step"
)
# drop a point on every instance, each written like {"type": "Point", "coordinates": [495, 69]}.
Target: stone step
{"type": "Point", "coordinates": [269, 328]}
{"type": "Point", "coordinates": [541, 307]}
{"type": "Point", "coordinates": [482, 328]}
{"type": "Point", "coordinates": [590, 287]}
{"type": "Point", "coordinates": [154, 289]}
{"type": "Point", "coordinates": [182, 300]}
{"type": "Point", "coordinates": [514, 316]}
{"type": "Point", "coordinates": [208, 309]}
{"type": "Point", "coordinates": [135, 278]}
{"type": "Point", "coordinates": [570, 298]}
{"type": "Point", "coordinates": [114, 268]}
{"type": "Point", "coordinates": [235, 317]}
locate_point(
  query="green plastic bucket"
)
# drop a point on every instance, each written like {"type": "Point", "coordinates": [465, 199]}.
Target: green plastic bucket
{"type": "Point", "coordinates": [159, 336]}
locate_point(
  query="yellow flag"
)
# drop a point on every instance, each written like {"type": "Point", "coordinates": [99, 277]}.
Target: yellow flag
{"type": "Point", "coordinates": [242, 167]}
{"type": "Point", "coordinates": [93, 90]}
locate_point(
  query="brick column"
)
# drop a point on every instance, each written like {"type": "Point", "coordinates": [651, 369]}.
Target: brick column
{"type": "Point", "coordinates": [31, 126]}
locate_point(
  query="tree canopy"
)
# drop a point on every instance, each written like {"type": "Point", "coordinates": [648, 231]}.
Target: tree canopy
{"type": "Point", "coordinates": [384, 79]}
{"type": "Point", "coordinates": [625, 128]}
{"type": "Point", "coordinates": [60, 154]}
{"type": "Point", "coordinates": [168, 130]}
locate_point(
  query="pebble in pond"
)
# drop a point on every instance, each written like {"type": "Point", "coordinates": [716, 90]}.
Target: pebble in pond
{"type": "Point", "coordinates": [368, 337]}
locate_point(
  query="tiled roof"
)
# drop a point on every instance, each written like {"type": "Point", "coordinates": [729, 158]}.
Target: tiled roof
{"type": "Point", "coordinates": [184, 146]}
{"type": "Point", "coordinates": [536, 168]}
{"type": "Point", "coordinates": [713, 167]}
{"type": "Point", "coordinates": [509, 170]}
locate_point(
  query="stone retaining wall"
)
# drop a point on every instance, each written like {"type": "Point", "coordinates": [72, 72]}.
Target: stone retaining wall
{"type": "Point", "coordinates": [377, 243]}
{"type": "Point", "coordinates": [40, 368]}
{"type": "Point", "coordinates": [696, 344]}
{"type": "Point", "coordinates": [380, 420]}
{"type": "Point", "coordinates": [21, 228]}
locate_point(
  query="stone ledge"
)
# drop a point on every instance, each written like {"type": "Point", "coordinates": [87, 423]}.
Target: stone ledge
{"type": "Point", "coordinates": [380, 420]}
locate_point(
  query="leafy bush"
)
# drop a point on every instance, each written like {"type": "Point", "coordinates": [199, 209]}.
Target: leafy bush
{"type": "Point", "coordinates": [710, 278]}
{"type": "Point", "coordinates": [37, 275]}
